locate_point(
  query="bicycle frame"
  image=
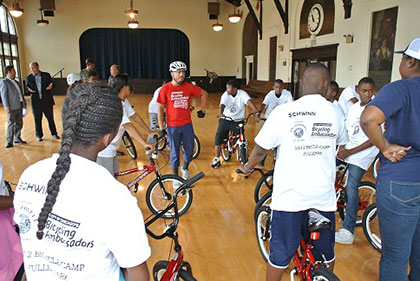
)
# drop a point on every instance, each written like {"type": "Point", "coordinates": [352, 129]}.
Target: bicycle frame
{"type": "Point", "coordinates": [147, 169]}
{"type": "Point", "coordinates": [304, 263]}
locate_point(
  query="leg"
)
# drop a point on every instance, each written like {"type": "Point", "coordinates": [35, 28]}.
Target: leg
{"type": "Point", "coordinates": [355, 175]}
{"type": "Point", "coordinates": [398, 212]}
{"type": "Point", "coordinates": [10, 127]}
{"type": "Point", "coordinates": [415, 255]}
{"type": "Point", "coordinates": [153, 125]}
{"type": "Point", "coordinates": [18, 124]}
{"type": "Point", "coordinates": [174, 142]}
{"type": "Point", "coordinates": [37, 112]}
{"type": "Point", "coordinates": [187, 136]}
{"type": "Point", "coordinates": [49, 114]}
{"type": "Point", "coordinates": [222, 133]}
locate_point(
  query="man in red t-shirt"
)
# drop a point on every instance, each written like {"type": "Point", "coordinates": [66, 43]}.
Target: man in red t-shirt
{"type": "Point", "coordinates": [175, 96]}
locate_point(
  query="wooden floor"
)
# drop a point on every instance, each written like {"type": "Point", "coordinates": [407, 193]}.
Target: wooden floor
{"type": "Point", "coordinates": [217, 233]}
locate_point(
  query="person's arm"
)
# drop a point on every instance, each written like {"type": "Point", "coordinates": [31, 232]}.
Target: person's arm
{"type": "Point", "coordinates": [137, 273]}
{"type": "Point", "coordinates": [371, 121]}
{"type": "Point", "coordinates": [132, 131]}
{"type": "Point", "coordinates": [354, 100]}
{"type": "Point", "coordinates": [221, 109]}
{"type": "Point", "coordinates": [137, 119]}
{"type": "Point", "coordinates": [161, 115]}
{"type": "Point", "coordinates": [252, 106]}
{"type": "Point", "coordinates": [6, 202]}
{"type": "Point", "coordinates": [344, 153]}
{"type": "Point", "coordinates": [4, 96]}
{"type": "Point", "coordinates": [50, 84]}
{"type": "Point", "coordinates": [263, 108]}
{"type": "Point", "coordinates": [257, 154]}
{"type": "Point", "coordinates": [204, 96]}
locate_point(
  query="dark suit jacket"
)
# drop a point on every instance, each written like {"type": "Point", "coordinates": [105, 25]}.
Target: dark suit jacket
{"type": "Point", "coordinates": [47, 98]}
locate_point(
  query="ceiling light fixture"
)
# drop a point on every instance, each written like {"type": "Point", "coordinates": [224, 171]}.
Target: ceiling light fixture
{"type": "Point", "coordinates": [42, 22]}
{"type": "Point", "coordinates": [133, 23]}
{"type": "Point", "coordinates": [131, 12]}
{"type": "Point", "coordinates": [217, 26]}
{"type": "Point", "coordinates": [236, 16]}
{"type": "Point", "coordinates": [15, 9]}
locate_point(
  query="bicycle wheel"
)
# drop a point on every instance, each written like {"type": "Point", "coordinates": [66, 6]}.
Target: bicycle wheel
{"type": "Point", "coordinates": [323, 274]}
{"type": "Point", "coordinates": [155, 195]}
{"type": "Point", "coordinates": [159, 269]}
{"type": "Point", "coordinates": [367, 196]}
{"type": "Point", "coordinates": [264, 201]}
{"type": "Point", "coordinates": [129, 145]}
{"type": "Point", "coordinates": [162, 143]}
{"type": "Point", "coordinates": [9, 189]}
{"type": "Point", "coordinates": [186, 276]}
{"type": "Point", "coordinates": [375, 167]}
{"type": "Point", "coordinates": [264, 185]}
{"type": "Point", "coordinates": [243, 153]}
{"type": "Point", "coordinates": [226, 153]}
{"type": "Point", "coordinates": [197, 147]}
{"type": "Point", "coordinates": [371, 227]}
{"type": "Point", "coordinates": [263, 232]}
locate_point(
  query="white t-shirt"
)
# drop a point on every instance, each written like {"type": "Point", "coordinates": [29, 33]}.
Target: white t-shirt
{"type": "Point", "coordinates": [111, 149]}
{"type": "Point", "coordinates": [307, 132]}
{"type": "Point", "coordinates": [345, 98]}
{"type": "Point", "coordinates": [364, 158]}
{"type": "Point", "coordinates": [128, 108]}
{"type": "Point", "coordinates": [95, 226]}
{"type": "Point", "coordinates": [272, 101]}
{"type": "Point", "coordinates": [235, 106]}
{"type": "Point", "coordinates": [338, 107]}
{"type": "Point", "coordinates": [153, 104]}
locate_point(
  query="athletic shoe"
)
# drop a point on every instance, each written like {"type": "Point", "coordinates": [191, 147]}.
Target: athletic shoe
{"type": "Point", "coordinates": [343, 236]}
{"type": "Point", "coordinates": [185, 174]}
{"type": "Point", "coordinates": [56, 137]}
{"type": "Point", "coordinates": [176, 184]}
{"type": "Point", "coordinates": [38, 139]}
{"type": "Point", "coordinates": [216, 163]}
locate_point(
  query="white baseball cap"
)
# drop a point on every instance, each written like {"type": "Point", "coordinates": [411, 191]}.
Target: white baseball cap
{"type": "Point", "coordinates": [412, 50]}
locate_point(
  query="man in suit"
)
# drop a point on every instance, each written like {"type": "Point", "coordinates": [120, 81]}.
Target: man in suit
{"type": "Point", "coordinates": [13, 103]}
{"type": "Point", "coordinates": [39, 85]}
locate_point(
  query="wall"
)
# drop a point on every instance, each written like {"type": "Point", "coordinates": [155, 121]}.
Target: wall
{"type": "Point", "coordinates": [352, 59]}
{"type": "Point", "coordinates": [57, 45]}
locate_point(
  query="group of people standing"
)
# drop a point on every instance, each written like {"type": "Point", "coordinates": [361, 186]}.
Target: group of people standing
{"type": "Point", "coordinates": [38, 85]}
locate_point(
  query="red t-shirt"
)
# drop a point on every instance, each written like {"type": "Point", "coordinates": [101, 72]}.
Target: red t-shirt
{"type": "Point", "coordinates": [177, 102]}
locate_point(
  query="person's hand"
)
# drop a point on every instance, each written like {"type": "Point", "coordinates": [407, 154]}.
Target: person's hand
{"type": "Point", "coordinates": [7, 109]}
{"type": "Point", "coordinates": [49, 87]}
{"type": "Point", "coordinates": [220, 115]}
{"type": "Point", "coordinates": [162, 132]}
{"type": "Point", "coordinates": [241, 170]}
{"type": "Point", "coordinates": [343, 153]}
{"type": "Point", "coordinates": [30, 90]}
{"type": "Point", "coordinates": [395, 153]}
{"type": "Point", "coordinates": [201, 114]}
{"type": "Point", "coordinates": [152, 134]}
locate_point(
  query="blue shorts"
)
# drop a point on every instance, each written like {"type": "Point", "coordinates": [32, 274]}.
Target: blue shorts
{"type": "Point", "coordinates": [287, 228]}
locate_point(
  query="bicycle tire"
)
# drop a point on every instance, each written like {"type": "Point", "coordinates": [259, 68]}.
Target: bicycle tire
{"type": "Point", "coordinates": [159, 269]}
{"type": "Point", "coordinates": [186, 276]}
{"type": "Point", "coordinates": [226, 153]}
{"type": "Point", "coordinates": [261, 188]}
{"type": "Point", "coordinates": [156, 202]}
{"type": "Point", "coordinates": [197, 147]}
{"type": "Point", "coordinates": [263, 235]}
{"type": "Point", "coordinates": [375, 168]}
{"type": "Point", "coordinates": [21, 274]}
{"type": "Point", "coordinates": [366, 198]}
{"type": "Point", "coordinates": [129, 145]}
{"type": "Point", "coordinates": [243, 153]}
{"type": "Point", "coordinates": [264, 201]}
{"type": "Point", "coordinates": [162, 143]}
{"type": "Point", "coordinates": [371, 227]}
{"type": "Point", "coordinates": [9, 189]}
{"type": "Point", "coordinates": [323, 274]}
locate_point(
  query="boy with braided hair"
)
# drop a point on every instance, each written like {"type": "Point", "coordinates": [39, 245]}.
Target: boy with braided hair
{"type": "Point", "coordinates": [65, 233]}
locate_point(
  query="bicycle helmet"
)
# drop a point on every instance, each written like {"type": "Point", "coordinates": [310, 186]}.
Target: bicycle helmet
{"type": "Point", "coordinates": [177, 66]}
{"type": "Point", "coordinates": [73, 77]}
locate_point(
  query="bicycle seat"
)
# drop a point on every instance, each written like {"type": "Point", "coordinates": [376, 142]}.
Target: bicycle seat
{"type": "Point", "coordinates": [318, 221]}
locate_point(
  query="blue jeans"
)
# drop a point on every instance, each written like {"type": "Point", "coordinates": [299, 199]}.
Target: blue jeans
{"type": "Point", "coordinates": [399, 223]}
{"type": "Point", "coordinates": [352, 193]}
{"type": "Point", "coordinates": [176, 135]}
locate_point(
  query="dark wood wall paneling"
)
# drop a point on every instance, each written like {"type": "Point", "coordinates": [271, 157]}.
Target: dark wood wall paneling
{"type": "Point", "coordinates": [250, 44]}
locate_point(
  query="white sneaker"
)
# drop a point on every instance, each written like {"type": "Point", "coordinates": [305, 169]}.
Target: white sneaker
{"type": "Point", "coordinates": [185, 174]}
{"type": "Point", "coordinates": [343, 236]}
{"type": "Point", "coordinates": [176, 184]}
{"type": "Point", "coordinates": [216, 163]}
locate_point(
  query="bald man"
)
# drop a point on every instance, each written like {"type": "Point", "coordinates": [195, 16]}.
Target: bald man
{"type": "Point", "coordinates": [306, 133]}
{"type": "Point", "coordinates": [114, 70]}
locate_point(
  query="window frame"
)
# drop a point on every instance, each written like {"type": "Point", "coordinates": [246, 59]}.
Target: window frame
{"type": "Point", "coordinates": [9, 39]}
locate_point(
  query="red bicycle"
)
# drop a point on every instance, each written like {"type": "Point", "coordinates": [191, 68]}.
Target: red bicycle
{"type": "Point", "coordinates": [305, 264]}
{"type": "Point", "coordinates": [175, 268]}
{"type": "Point", "coordinates": [159, 192]}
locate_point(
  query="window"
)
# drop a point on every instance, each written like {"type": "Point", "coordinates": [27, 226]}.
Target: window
{"type": "Point", "coordinates": [9, 54]}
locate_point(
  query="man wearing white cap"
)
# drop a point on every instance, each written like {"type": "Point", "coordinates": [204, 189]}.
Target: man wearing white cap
{"type": "Point", "coordinates": [398, 183]}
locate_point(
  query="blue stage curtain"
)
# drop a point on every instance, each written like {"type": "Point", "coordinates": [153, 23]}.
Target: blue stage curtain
{"type": "Point", "coordinates": [141, 53]}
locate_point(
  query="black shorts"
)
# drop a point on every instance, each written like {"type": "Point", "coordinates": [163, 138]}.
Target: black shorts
{"type": "Point", "coordinates": [223, 130]}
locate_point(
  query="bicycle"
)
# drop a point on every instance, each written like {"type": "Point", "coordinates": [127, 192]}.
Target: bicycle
{"type": "Point", "coordinates": [375, 167]}
{"type": "Point", "coordinates": [370, 224]}
{"type": "Point", "coordinates": [234, 142]}
{"type": "Point", "coordinates": [175, 268]}
{"type": "Point", "coordinates": [163, 142]}
{"type": "Point", "coordinates": [304, 262]}
{"type": "Point", "coordinates": [129, 145]}
{"type": "Point", "coordinates": [157, 193]}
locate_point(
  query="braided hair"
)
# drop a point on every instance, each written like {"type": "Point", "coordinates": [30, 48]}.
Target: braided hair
{"type": "Point", "coordinates": [121, 80]}
{"type": "Point", "coordinates": [90, 111]}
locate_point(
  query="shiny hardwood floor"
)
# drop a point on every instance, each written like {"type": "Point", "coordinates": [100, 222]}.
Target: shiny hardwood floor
{"type": "Point", "coordinates": [217, 233]}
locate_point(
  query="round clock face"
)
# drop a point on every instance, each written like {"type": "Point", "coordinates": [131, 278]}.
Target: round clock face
{"type": "Point", "coordinates": [315, 19]}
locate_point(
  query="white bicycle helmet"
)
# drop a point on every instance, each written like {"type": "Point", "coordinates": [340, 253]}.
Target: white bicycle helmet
{"type": "Point", "coordinates": [73, 77]}
{"type": "Point", "coordinates": [177, 66]}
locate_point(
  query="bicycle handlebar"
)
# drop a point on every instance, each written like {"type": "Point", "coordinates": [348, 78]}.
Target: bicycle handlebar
{"type": "Point", "coordinates": [172, 227]}
{"type": "Point", "coordinates": [245, 120]}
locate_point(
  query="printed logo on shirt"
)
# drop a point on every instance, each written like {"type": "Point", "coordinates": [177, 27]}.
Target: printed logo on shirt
{"type": "Point", "coordinates": [301, 113]}
{"type": "Point", "coordinates": [322, 130]}
{"type": "Point", "coordinates": [24, 223]}
{"type": "Point", "coordinates": [180, 101]}
{"type": "Point", "coordinates": [233, 109]}
{"type": "Point", "coordinates": [356, 130]}
{"type": "Point", "coordinates": [298, 131]}
{"type": "Point", "coordinates": [42, 189]}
